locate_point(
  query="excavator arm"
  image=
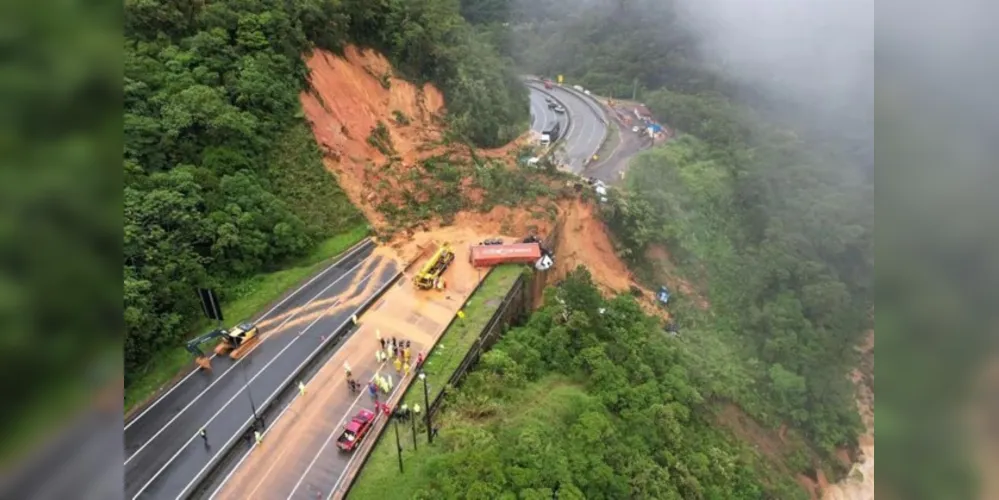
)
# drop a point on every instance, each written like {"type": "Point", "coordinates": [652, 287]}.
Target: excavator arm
{"type": "Point", "coordinates": [194, 347]}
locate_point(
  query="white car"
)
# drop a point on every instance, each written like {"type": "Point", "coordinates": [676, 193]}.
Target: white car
{"type": "Point", "coordinates": [558, 109]}
{"type": "Point", "coordinates": [578, 88]}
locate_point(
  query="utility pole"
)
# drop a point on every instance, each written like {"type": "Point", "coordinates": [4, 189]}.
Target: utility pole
{"type": "Point", "coordinates": [426, 401]}
{"type": "Point", "coordinates": [249, 395]}
{"type": "Point", "coordinates": [413, 420]}
{"type": "Point", "coordinates": [398, 444]}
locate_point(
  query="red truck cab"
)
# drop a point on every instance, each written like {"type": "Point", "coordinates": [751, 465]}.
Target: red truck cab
{"type": "Point", "coordinates": [355, 430]}
{"type": "Point", "coordinates": [548, 84]}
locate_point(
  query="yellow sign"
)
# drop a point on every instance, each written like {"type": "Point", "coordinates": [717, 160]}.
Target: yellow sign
{"type": "Point", "coordinates": [560, 79]}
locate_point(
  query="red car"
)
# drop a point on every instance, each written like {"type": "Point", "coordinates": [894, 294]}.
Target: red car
{"type": "Point", "coordinates": [548, 84]}
{"type": "Point", "coordinates": [355, 430]}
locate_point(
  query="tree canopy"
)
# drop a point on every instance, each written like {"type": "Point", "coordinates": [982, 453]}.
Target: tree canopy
{"type": "Point", "coordinates": [222, 177]}
{"type": "Point", "coordinates": [598, 403]}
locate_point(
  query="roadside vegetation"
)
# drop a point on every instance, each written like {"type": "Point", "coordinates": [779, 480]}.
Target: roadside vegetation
{"type": "Point", "coordinates": [598, 405]}
{"type": "Point", "coordinates": [223, 181]}
{"type": "Point", "coordinates": [759, 220]}
{"type": "Point", "coordinates": [440, 365]}
{"type": "Point", "coordinates": [247, 297]}
{"type": "Point", "coordinates": [457, 180]}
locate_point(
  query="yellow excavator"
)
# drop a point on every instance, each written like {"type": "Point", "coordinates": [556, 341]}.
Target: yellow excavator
{"type": "Point", "coordinates": [431, 275]}
{"type": "Point", "coordinates": [235, 342]}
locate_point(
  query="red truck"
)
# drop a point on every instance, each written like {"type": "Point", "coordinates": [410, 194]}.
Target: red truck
{"type": "Point", "coordinates": [548, 84]}
{"type": "Point", "coordinates": [516, 253]}
{"type": "Point", "coordinates": [355, 430]}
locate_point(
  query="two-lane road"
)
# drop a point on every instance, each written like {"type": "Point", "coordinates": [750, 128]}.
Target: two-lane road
{"type": "Point", "coordinates": [583, 136]}
{"type": "Point", "coordinates": [164, 456]}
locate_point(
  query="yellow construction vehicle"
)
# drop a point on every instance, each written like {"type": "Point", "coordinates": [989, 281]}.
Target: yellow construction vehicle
{"type": "Point", "coordinates": [235, 342]}
{"type": "Point", "coordinates": [431, 275]}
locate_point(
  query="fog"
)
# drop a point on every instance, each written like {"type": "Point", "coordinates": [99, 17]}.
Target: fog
{"type": "Point", "coordinates": [816, 54]}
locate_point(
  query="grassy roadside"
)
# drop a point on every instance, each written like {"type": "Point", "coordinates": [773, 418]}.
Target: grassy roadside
{"type": "Point", "coordinates": [441, 363]}
{"type": "Point", "coordinates": [611, 141]}
{"type": "Point", "coordinates": [247, 297]}
{"type": "Point", "coordinates": [461, 335]}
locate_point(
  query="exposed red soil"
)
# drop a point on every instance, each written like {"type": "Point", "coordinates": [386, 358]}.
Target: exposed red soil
{"type": "Point", "coordinates": [346, 102]}
{"type": "Point", "coordinates": [584, 240]}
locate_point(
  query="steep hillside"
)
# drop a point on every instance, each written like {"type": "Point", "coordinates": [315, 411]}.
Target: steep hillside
{"type": "Point", "coordinates": [223, 183]}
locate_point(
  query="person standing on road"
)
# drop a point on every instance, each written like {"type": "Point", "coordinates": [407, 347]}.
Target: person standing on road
{"type": "Point", "coordinates": [405, 369]}
{"type": "Point", "coordinates": [204, 436]}
{"type": "Point", "coordinates": [346, 368]}
{"type": "Point", "coordinates": [258, 437]}
{"type": "Point", "coordinates": [405, 354]}
{"type": "Point", "coordinates": [398, 365]}
{"type": "Point", "coordinates": [388, 381]}
{"type": "Point", "coordinates": [378, 357]}
{"type": "Point", "coordinates": [301, 388]}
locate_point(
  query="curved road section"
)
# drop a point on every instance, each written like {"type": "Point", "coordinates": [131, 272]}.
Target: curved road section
{"type": "Point", "coordinates": [164, 455]}
{"type": "Point", "coordinates": [586, 130]}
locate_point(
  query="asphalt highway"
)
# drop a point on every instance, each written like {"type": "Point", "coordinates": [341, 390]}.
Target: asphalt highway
{"type": "Point", "coordinates": [164, 454]}
{"type": "Point", "coordinates": [583, 138]}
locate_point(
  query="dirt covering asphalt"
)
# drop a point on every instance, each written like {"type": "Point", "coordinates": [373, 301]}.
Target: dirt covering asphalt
{"type": "Point", "coordinates": [352, 94]}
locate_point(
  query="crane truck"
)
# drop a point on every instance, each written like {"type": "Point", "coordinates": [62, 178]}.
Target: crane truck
{"type": "Point", "coordinates": [235, 342]}
{"type": "Point", "coordinates": [431, 276]}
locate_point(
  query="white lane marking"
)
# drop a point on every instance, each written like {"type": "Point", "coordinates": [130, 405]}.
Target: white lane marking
{"type": "Point", "coordinates": [238, 361]}
{"type": "Point", "coordinates": [240, 391]}
{"type": "Point", "coordinates": [534, 113]}
{"type": "Point", "coordinates": [246, 455]}
{"type": "Point", "coordinates": [347, 468]}
{"type": "Point", "coordinates": [272, 396]}
{"type": "Point", "coordinates": [252, 447]}
{"type": "Point", "coordinates": [334, 431]}
{"type": "Point", "coordinates": [346, 256]}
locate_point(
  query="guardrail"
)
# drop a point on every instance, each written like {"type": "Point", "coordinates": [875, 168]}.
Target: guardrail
{"type": "Point", "coordinates": [287, 386]}
{"type": "Point", "coordinates": [590, 101]}
{"type": "Point", "coordinates": [568, 115]}
{"type": "Point", "coordinates": [341, 490]}
{"type": "Point", "coordinates": [519, 291]}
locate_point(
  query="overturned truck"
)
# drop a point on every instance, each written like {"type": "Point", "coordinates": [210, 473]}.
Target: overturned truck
{"type": "Point", "coordinates": [527, 252]}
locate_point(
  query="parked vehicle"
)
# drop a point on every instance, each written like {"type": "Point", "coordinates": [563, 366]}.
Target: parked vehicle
{"type": "Point", "coordinates": [558, 109]}
{"type": "Point", "coordinates": [355, 430]}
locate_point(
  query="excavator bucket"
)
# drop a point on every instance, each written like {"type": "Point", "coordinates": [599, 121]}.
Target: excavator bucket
{"type": "Point", "coordinates": [204, 362]}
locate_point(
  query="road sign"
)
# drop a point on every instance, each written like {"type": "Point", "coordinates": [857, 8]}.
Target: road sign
{"type": "Point", "coordinates": [560, 79]}
{"type": "Point", "coordinates": [210, 304]}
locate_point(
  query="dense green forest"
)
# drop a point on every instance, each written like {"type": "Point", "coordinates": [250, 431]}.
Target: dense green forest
{"type": "Point", "coordinates": [590, 397]}
{"type": "Point", "coordinates": [222, 177]}
{"type": "Point", "coordinates": [775, 227]}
